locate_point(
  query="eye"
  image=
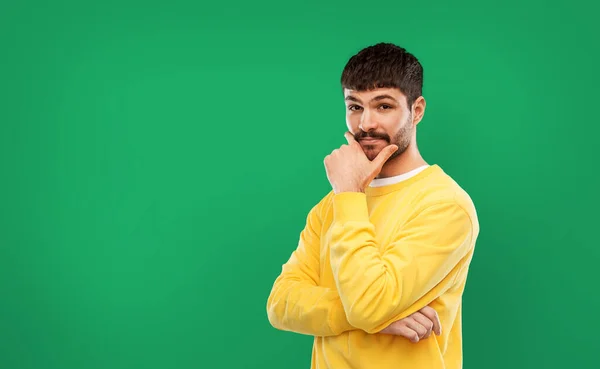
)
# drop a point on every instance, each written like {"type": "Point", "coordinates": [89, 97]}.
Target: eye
{"type": "Point", "coordinates": [354, 107]}
{"type": "Point", "coordinates": [385, 106]}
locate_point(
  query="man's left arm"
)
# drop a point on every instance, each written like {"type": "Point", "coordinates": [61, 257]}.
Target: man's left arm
{"type": "Point", "coordinates": [378, 287]}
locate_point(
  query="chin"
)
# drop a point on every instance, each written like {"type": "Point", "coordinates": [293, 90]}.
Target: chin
{"type": "Point", "coordinates": [371, 153]}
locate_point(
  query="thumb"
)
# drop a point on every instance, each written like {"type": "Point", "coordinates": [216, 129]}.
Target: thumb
{"type": "Point", "coordinates": [384, 155]}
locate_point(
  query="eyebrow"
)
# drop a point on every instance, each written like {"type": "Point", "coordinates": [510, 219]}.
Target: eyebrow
{"type": "Point", "coordinates": [376, 98]}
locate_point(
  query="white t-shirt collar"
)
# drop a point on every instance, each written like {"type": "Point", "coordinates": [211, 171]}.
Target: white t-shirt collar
{"type": "Point", "coordinates": [380, 182]}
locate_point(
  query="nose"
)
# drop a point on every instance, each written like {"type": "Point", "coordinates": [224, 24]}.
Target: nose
{"type": "Point", "coordinates": [367, 121]}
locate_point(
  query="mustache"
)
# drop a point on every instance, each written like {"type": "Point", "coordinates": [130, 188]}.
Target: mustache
{"type": "Point", "coordinates": [361, 135]}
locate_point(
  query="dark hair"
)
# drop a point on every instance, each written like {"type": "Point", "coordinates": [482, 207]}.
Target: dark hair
{"type": "Point", "coordinates": [384, 65]}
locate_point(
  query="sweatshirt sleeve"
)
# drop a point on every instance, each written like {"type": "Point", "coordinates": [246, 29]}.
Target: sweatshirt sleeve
{"type": "Point", "coordinates": [297, 303]}
{"type": "Point", "coordinates": [378, 285]}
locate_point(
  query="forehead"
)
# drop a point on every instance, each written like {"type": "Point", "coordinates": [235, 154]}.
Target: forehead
{"type": "Point", "coordinates": [375, 94]}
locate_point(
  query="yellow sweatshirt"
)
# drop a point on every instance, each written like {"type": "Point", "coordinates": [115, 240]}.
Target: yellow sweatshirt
{"type": "Point", "coordinates": [365, 260]}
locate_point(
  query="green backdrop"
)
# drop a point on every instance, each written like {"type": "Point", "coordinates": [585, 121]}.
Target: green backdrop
{"type": "Point", "coordinates": [158, 161]}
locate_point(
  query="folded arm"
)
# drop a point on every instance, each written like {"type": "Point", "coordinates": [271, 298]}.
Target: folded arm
{"type": "Point", "coordinates": [297, 303]}
{"type": "Point", "coordinates": [380, 287]}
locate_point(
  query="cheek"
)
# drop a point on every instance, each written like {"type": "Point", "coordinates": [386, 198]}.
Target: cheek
{"type": "Point", "coordinates": [351, 122]}
{"type": "Point", "coordinates": [392, 122]}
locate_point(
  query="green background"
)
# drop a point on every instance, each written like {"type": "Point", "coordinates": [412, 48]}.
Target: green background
{"type": "Point", "coordinates": [158, 161]}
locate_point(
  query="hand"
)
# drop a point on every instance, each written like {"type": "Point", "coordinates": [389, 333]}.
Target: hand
{"type": "Point", "coordinates": [417, 326]}
{"type": "Point", "coordinates": [348, 168]}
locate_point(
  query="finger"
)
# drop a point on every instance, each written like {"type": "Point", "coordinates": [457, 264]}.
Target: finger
{"type": "Point", "coordinates": [417, 327]}
{"type": "Point", "coordinates": [432, 315]}
{"type": "Point", "coordinates": [384, 155]}
{"type": "Point", "coordinates": [350, 138]}
{"type": "Point", "coordinates": [424, 321]}
{"type": "Point", "coordinates": [406, 332]}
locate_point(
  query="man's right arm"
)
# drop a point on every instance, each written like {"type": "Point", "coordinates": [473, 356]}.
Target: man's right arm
{"type": "Point", "coordinates": [297, 303]}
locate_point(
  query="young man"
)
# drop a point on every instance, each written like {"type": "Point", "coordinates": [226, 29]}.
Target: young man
{"type": "Point", "coordinates": [390, 245]}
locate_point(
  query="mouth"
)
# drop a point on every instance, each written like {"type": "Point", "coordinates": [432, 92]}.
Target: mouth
{"type": "Point", "coordinates": [371, 140]}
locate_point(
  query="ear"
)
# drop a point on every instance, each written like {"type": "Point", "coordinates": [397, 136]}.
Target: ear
{"type": "Point", "coordinates": [418, 109]}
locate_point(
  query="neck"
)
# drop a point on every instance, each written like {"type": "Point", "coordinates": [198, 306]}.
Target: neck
{"type": "Point", "coordinates": [409, 160]}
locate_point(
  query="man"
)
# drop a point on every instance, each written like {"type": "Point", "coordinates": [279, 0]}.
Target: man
{"type": "Point", "coordinates": [390, 245]}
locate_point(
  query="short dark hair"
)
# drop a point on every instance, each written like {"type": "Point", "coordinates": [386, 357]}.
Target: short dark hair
{"type": "Point", "coordinates": [384, 65]}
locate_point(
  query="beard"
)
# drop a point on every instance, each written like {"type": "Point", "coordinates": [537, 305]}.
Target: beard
{"type": "Point", "coordinates": [401, 139]}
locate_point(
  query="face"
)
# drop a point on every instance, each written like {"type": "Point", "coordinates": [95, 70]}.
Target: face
{"type": "Point", "coordinates": [381, 117]}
